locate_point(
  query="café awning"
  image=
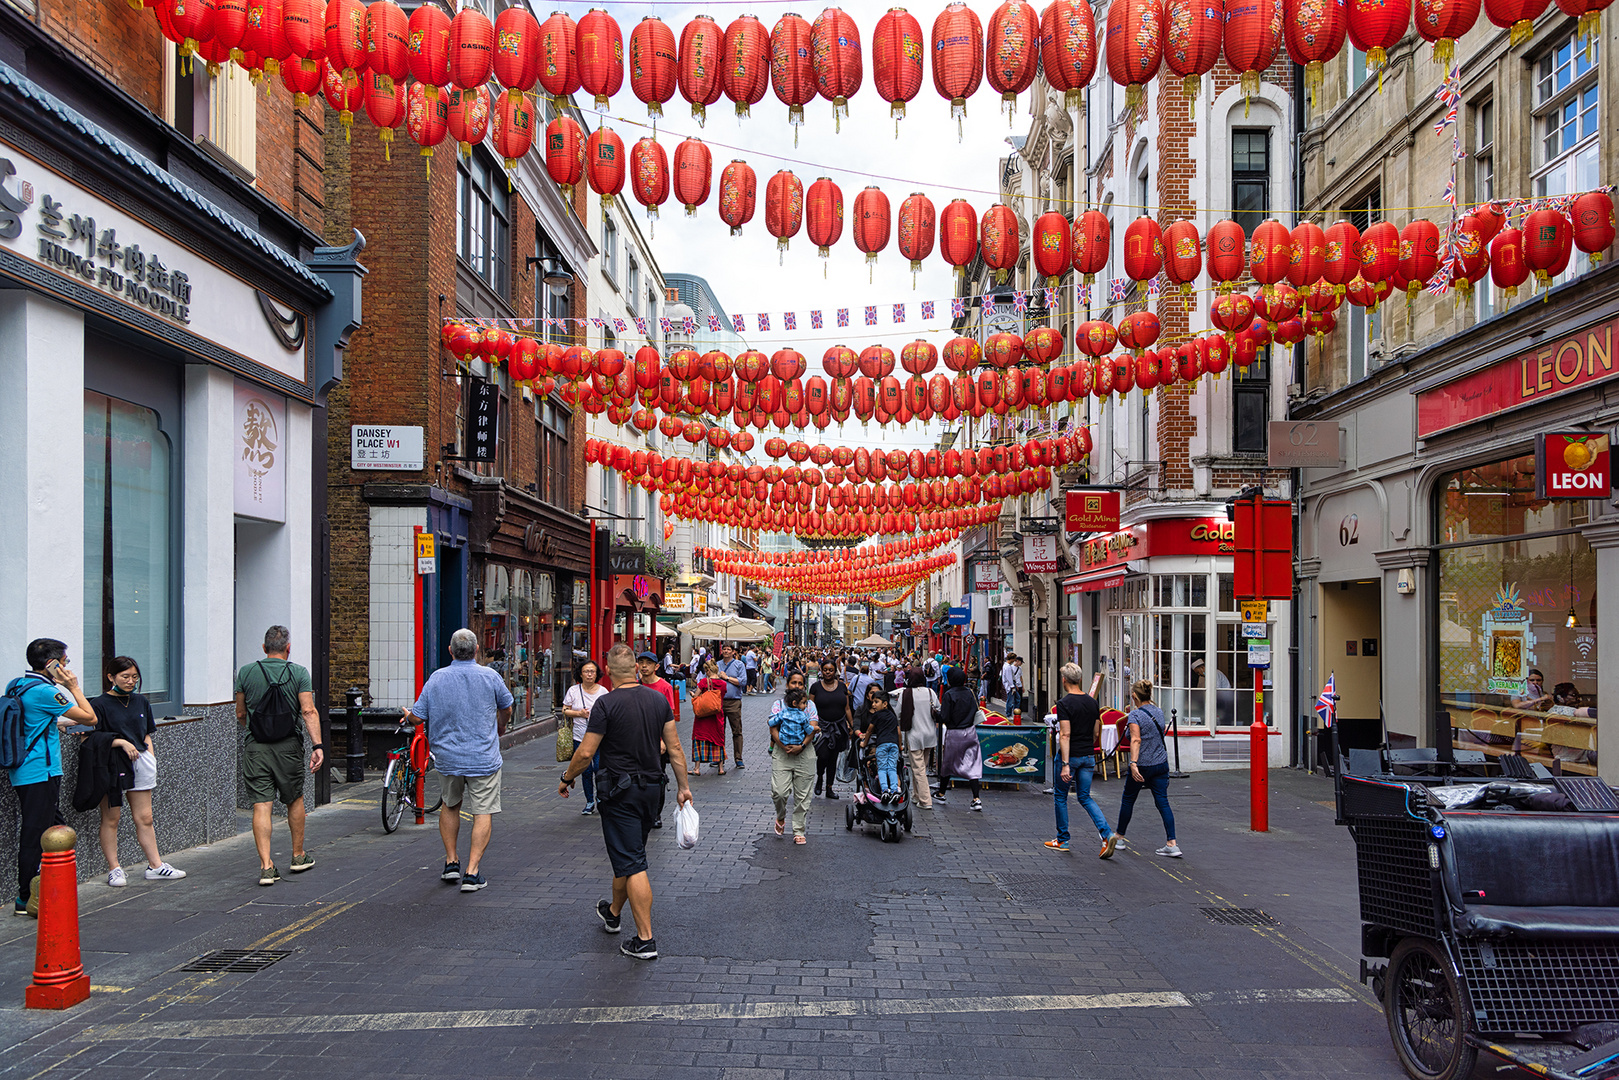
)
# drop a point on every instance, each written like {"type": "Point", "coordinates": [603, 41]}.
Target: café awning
{"type": "Point", "coordinates": [1100, 579]}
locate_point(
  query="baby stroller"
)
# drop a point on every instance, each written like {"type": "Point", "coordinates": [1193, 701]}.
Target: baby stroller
{"type": "Point", "coordinates": [866, 805]}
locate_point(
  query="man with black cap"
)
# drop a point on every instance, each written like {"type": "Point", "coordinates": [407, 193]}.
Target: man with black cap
{"type": "Point", "coordinates": [646, 666]}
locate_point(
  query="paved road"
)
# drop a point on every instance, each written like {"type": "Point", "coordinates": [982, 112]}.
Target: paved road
{"type": "Point", "coordinates": [966, 949]}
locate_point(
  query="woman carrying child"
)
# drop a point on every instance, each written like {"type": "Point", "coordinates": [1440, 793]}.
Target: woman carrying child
{"type": "Point", "coordinates": [880, 732]}
{"type": "Point", "coordinates": [792, 769]}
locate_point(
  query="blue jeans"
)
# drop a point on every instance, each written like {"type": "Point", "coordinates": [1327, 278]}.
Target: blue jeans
{"type": "Point", "coordinates": [1081, 770]}
{"type": "Point", "coordinates": [1157, 778]}
{"type": "Point", "coordinates": [888, 767]}
{"type": "Point", "coordinates": [588, 779]}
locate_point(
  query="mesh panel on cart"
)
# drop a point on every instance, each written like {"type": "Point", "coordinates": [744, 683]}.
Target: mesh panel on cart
{"type": "Point", "coordinates": [1396, 885]}
{"type": "Point", "coordinates": [1541, 987]}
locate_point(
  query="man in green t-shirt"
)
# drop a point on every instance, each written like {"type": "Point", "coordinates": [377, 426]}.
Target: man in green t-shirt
{"type": "Point", "coordinates": [274, 768]}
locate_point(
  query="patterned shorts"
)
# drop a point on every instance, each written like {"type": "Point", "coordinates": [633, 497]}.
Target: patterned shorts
{"type": "Point", "coordinates": [706, 753]}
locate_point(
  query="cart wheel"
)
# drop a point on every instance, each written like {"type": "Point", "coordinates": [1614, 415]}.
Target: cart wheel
{"type": "Point", "coordinates": [906, 819]}
{"type": "Point", "coordinates": [1427, 1013]}
{"type": "Point", "coordinates": [848, 816]}
{"type": "Point", "coordinates": [890, 833]}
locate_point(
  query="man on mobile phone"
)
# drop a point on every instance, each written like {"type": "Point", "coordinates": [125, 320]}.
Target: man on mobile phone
{"type": "Point", "coordinates": [49, 693]}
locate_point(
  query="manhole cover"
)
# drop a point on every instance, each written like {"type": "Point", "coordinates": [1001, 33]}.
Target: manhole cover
{"type": "Point", "coordinates": [1238, 916]}
{"type": "Point", "coordinates": [1047, 887]}
{"type": "Point", "coordinates": [237, 960]}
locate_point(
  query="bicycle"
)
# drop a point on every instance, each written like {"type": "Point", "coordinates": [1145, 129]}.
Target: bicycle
{"type": "Point", "coordinates": [410, 779]}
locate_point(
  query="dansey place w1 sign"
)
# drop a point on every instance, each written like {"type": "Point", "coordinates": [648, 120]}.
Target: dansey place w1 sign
{"type": "Point", "coordinates": [373, 447]}
{"type": "Point", "coordinates": [1572, 465]}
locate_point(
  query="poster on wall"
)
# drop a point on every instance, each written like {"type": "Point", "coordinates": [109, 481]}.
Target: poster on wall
{"type": "Point", "coordinates": [1509, 641]}
{"type": "Point", "coordinates": [261, 454]}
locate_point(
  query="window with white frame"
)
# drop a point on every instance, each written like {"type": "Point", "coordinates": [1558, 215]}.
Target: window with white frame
{"type": "Point", "coordinates": [1357, 68]}
{"type": "Point", "coordinates": [483, 221]}
{"type": "Point", "coordinates": [610, 249]}
{"type": "Point", "coordinates": [1365, 328]}
{"type": "Point", "coordinates": [1567, 144]}
{"type": "Point", "coordinates": [632, 281]}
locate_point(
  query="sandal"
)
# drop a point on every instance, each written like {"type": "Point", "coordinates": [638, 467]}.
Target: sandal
{"type": "Point", "coordinates": [694, 772]}
{"type": "Point", "coordinates": [781, 828]}
{"type": "Point", "coordinates": [800, 839]}
{"type": "Point", "coordinates": [722, 770]}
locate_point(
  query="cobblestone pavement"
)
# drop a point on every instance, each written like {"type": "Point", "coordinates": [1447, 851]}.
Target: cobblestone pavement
{"type": "Point", "coordinates": [966, 949]}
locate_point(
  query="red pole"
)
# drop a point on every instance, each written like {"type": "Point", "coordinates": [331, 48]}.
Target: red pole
{"type": "Point", "coordinates": [59, 978]}
{"type": "Point", "coordinates": [1259, 760]}
{"type": "Point", "coordinates": [421, 615]}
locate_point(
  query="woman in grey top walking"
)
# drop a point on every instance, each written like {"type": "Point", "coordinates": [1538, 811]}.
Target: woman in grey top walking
{"type": "Point", "coordinates": [1149, 766]}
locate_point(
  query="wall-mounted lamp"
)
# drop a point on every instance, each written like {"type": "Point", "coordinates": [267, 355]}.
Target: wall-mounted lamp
{"type": "Point", "coordinates": [552, 272]}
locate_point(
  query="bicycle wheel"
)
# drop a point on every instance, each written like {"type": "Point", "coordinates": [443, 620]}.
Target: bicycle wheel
{"type": "Point", "coordinates": [393, 794]}
{"type": "Point", "coordinates": [432, 789]}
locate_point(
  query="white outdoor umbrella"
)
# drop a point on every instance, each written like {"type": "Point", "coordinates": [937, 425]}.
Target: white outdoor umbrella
{"type": "Point", "coordinates": [726, 628]}
{"type": "Point", "coordinates": [875, 641]}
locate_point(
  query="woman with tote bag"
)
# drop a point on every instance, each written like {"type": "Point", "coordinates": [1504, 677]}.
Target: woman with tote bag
{"type": "Point", "coordinates": [918, 722]}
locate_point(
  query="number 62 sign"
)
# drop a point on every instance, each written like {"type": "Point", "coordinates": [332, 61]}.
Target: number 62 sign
{"type": "Point", "coordinates": [1304, 444]}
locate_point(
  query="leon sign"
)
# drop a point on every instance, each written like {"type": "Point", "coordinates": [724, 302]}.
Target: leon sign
{"type": "Point", "coordinates": [1572, 465]}
{"type": "Point", "coordinates": [1583, 357]}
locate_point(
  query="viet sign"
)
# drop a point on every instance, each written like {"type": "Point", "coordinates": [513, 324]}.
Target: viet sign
{"type": "Point", "coordinates": [373, 447]}
{"type": "Point", "coordinates": [1039, 554]}
{"type": "Point", "coordinates": [1581, 358]}
{"type": "Point", "coordinates": [426, 560]}
{"type": "Point", "coordinates": [1091, 511]}
{"type": "Point", "coordinates": [1572, 465]}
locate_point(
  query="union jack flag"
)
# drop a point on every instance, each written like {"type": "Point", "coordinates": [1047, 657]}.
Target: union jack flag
{"type": "Point", "coordinates": [958, 307]}
{"type": "Point", "coordinates": [764, 323]}
{"type": "Point", "coordinates": [1082, 296]}
{"type": "Point", "coordinates": [1450, 90]}
{"type": "Point", "coordinates": [871, 314]}
{"type": "Point", "coordinates": [1445, 121]}
{"type": "Point", "coordinates": [815, 320]}
{"type": "Point", "coordinates": [927, 311]}
{"type": "Point", "coordinates": [1450, 190]}
{"type": "Point", "coordinates": [619, 326]}
{"type": "Point", "coordinates": [843, 316]}
{"type": "Point", "coordinates": [738, 324]}
{"type": "Point", "coordinates": [1326, 702]}
{"type": "Point", "coordinates": [714, 324]}
{"type": "Point", "coordinates": [1115, 290]}
{"type": "Point", "coordinates": [1153, 288]}
{"type": "Point", "coordinates": [640, 325]}
{"type": "Point", "coordinates": [666, 326]}
{"type": "Point", "coordinates": [1051, 299]}
{"type": "Point", "coordinates": [1439, 284]}
{"type": "Point", "coordinates": [1020, 301]}
{"type": "Point", "coordinates": [691, 326]}
{"type": "Point", "coordinates": [789, 320]}
{"type": "Point", "coordinates": [899, 313]}
{"type": "Point", "coordinates": [600, 324]}
{"type": "Point", "coordinates": [1456, 150]}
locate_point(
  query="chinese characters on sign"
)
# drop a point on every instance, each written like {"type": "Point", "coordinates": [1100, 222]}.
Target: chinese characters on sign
{"type": "Point", "coordinates": [261, 484]}
{"type": "Point", "coordinates": [481, 421]}
{"type": "Point", "coordinates": [1039, 554]}
{"type": "Point", "coordinates": [385, 447]}
{"type": "Point", "coordinates": [1091, 511]}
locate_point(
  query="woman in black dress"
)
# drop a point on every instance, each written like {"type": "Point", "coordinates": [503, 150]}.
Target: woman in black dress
{"type": "Point", "coordinates": [124, 711]}
{"type": "Point", "coordinates": [830, 696]}
{"type": "Point", "coordinates": [959, 757]}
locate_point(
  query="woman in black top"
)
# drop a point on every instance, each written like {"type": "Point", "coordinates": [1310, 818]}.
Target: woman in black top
{"type": "Point", "coordinates": [830, 695]}
{"type": "Point", "coordinates": [127, 714]}
{"type": "Point", "coordinates": [959, 756]}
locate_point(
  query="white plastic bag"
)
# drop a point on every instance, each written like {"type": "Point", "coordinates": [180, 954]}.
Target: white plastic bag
{"type": "Point", "coordinates": [686, 825]}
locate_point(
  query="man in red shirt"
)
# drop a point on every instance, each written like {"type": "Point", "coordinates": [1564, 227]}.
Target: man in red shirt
{"type": "Point", "coordinates": [646, 666]}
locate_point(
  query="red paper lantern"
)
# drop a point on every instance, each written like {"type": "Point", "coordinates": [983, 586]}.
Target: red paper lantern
{"type": "Point", "coordinates": [385, 105]}
{"type": "Point", "coordinates": [958, 233]}
{"type": "Point", "coordinates": [1419, 254]}
{"type": "Point", "coordinates": [1441, 22]}
{"type": "Point", "coordinates": [1147, 367]}
{"type": "Point", "coordinates": [737, 195]}
{"type": "Point", "coordinates": [1589, 14]}
{"type": "Point", "coordinates": [564, 152]}
{"type": "Point", "coordinates": [962, 354]}
{"type": "Point", "coordinates": [302, 24]}
{"type": "Point", "coordinates": [917, 226]}
{"type": "Point", "coordinates": [1090, 239]}
{"type": "Point", "coordinates": [1282, 304]}
{"type": "Point", "coordinates": [897, 46]}
{"type": "Point", "coordinates": [1253, 34]}
{"type": "Point", "coordinates": [1050, 244]}
{"type": "Point", "coordinates": [1314, 31]}
{"type": "Point", "coordinates": [302, 78]}
{"type": "Point", "coordinates": [652, 64]}
{"type": "Point", "coordinates": [1003, 350]}
{"type": "Point", "coordinates": [188, 25]}
{"type": "Point", "coordinates": [1214, 354]}
{"type": "Point", "coordinates": [1379, 251]}
{"type": "Point", "coordinates": [835, 56]}
{"type": "Point", "coordinates": [1374, 27]}
{"type": "Point", "coordinates": [472, 49]}
{"type": "Point", "coordinates": [427, 38]}
{"type": "Point", "coordinates": [957, 45]}
{"type": "Point", "coordinates": [694, 170]}
{"type": "Point", "coordinates": [1095, 338]}
{"type": "Point", "coordinates": [1139, 331]}
{"type": "Point", "coordinates": [1192, 35]}
{"type": "Point", "coordinates": [344, 93]}
{"type": "Point", "coordinates": [1507, 268]}
{"type": "Point", "coordinates": [345, 35]}
{"type": "Point", "coordinates": [1122, 370]}
{"type": "Point", "coordinates": [599, 50]}
{"type": "Point", "coordinates": [1593, 223]}
{"type": "Point", "coordinates": [871, 222]}
{"type": "Point", "coordinates": [1232, 312]}
{"type": "Point", "coordinates": [784, 208]}
{"type": "Point", "coordinates": [1012, 51]}
{"type": "Point", "coordinates": [1043, 344]}
{"type": "Point", "coordinates": [1135, 46]}
{"type": "Point", "coordinates": [1341, 260]}
{"type": "Point", "coordinates": [387, 31]}
{"type": "Point", "coordinates": [1227, 254]}
{"type": "Point", "coordinates": [1270, 253]}
{"type": "Point", "coordinates": [555, 54]}
{"type": "Point", "coordinates": [1183, 258]}
{"type": "Point", "coordinates": [1548, 238]}
{"type": "Point", "coordinates": [604, 164]}
{"type": "Point", "coordinates": [649, 174]}
{"type": "Point", "coordinates": [265, 34]}
{"type": "Point", "coordinates": [824, 211]}
{"type": "Point", "coordinates": [1143, 249]}
{"type": "Point", "coordinates": [919, 357]}
{"type": "Point", "coordinates": [702, 48]}
{"type": "Point", "coordinates": [745, 65]}
{"type": "Point", "coordinates": [792, 75]}
{"type": "Point", "coordinates": [998, 240]}
{"type": "Point", "coordinates": [426, 119]}
{"type": "Point", "coordinates": [1068, 48]}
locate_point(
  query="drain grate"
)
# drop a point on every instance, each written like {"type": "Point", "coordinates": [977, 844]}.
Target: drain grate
{"type": "Point", "coordinates": [1040, 888]}
{"type": "Point", "coordinates": [1238, 916]}
{"type": "Point", "coordinates": [237, 960]}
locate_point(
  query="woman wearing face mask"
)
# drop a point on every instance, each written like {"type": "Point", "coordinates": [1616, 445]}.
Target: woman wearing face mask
{"type": "Point", "coordinates": [125, 712]}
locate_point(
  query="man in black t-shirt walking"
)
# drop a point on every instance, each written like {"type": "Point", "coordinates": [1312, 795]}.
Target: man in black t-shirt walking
{"type": "Point", "coordinates": [1079, 730]}
{"type": "Point", "coordinates": [626, 727]}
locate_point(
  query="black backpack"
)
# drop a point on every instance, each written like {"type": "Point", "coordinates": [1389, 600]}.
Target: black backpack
{"type": "Point", "coordinates": [276, 717]}
{"type": "Point", "coordinates": [15, 746]}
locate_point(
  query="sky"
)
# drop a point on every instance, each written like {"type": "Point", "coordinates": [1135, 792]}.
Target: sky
{"type": "Point", "coordinates": [745, 272]}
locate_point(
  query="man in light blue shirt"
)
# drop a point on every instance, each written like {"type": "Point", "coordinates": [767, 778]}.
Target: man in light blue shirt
{"type": "Point", "coordinates": [463, 706]}
{"type": "Point", "coordinates": [735, 673]}
{"type": "Point", "coordinates": [49, 693]}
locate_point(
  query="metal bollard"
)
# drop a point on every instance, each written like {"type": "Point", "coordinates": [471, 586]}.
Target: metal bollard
{"type": "Point", "coordinates": [356, 750]}
{"type": "Point", "coordinates": [59, 978]}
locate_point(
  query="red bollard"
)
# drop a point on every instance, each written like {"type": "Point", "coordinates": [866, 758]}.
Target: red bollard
{"type": "Point", "coordinates": [59, 978]}
{"type": "Point", "coordinates": [1258, 774]}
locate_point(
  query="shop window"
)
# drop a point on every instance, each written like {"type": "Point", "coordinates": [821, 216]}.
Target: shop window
{"type": "Point", "coordinates": [483, 221]}
{"type": "Point", "coordinates": [127, 544]}
{"type": "Point", "coordinates": [1179, 640]}
{"type": "Point", "coordinates": [1250, 178]}
{"type": "Point", "coordinates": [1233, 680]}
{"type": "Point", "coordinates": [1566, 115]}
{"type": "Point", "coordinates": [1517, 618]}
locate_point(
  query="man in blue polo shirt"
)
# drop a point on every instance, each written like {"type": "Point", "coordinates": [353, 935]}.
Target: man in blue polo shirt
{"type": "Point", "coordinates": [49, 692]}
{"type": "Point", "coordinates": [735, 673]}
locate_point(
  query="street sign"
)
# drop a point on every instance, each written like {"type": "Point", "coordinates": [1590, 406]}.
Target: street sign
{"type": "Point", "coordinates": [426, 561]}
{"type": "Point", "coordinates": [1259, 654]}
{"type": "Point", "coordinates": [1091, 511]}
{"type": "Point", "coordinates": [1264, 549]}
{"type": "Point", "coordinates": [385, 447]}
{"type": "Point", "coordinates": [1255, 611]}
{"type": "Point", "coordinates": [1304, 444]}
{"type": "Point", "coordinates": [1254, 629]}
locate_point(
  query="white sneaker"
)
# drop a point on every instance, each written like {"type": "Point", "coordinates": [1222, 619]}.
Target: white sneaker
{"type": "Point", "coordinates": [164, 873]}
{"type": "Point", "coordinates": [1169, 852]}
{"type": "Point", "coordinates": [116, 877]}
